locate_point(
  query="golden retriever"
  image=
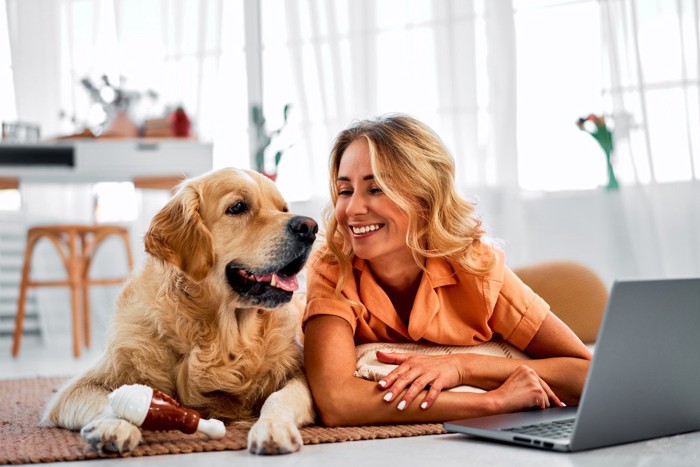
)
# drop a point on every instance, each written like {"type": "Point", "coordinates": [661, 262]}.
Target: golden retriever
{"type": "Point", "coordinates": [209, 319]}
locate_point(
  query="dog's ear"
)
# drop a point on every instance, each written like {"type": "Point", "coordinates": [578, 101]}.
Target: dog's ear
{"type": "Point", "coordinates": [178, 236]}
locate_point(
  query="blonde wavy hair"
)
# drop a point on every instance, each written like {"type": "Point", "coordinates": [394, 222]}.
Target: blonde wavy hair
{"type": "Point", "coordinates": [416, 171]}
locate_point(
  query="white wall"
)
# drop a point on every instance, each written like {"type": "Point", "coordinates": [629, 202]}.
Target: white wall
{"type": "Point", "coordinates": [638, 232]}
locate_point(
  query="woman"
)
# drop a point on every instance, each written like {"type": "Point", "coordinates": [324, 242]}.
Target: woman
{"type": "Point", "coordinates": [404, 262]}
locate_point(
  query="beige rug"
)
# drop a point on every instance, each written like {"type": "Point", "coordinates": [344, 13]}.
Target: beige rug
{"type": "Point", "coordinates": [23, 441]}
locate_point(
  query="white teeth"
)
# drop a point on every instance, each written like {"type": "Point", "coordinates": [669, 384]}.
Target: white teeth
{"type": "Point", "coordinates": [273, 282]}
{"type": "Point", "coordinates": [365, 229]}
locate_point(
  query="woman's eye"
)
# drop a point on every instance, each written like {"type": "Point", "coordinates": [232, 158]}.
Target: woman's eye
{"type": "Point", "coordinates": [375, 190]}
{"type": "Point", "coordinates": [345, 193]}
{"type": "Point", "coordinates": [237, 208]}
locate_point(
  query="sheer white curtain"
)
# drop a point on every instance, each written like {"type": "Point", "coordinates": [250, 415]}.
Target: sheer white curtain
{"type": "Point", "coordinates": [448, 62]}
{"type": "Point", "coordinates": [452, 64]}
{"type": "Point", "coordinates": [652, 60]}
{"type": "Point", "coordinates": [190, 52]}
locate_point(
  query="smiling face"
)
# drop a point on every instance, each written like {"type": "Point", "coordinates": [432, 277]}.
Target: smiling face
{"type": "Point", "coordinates": [374, 224]}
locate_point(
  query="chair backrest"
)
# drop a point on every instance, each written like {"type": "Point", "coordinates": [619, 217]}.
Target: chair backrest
{"type": "Point", "coordinates": [165, 182]}
{"type": "Point", "coordinates": [574, 292]}
{"type": "Point", "coordinates": [9, 183]}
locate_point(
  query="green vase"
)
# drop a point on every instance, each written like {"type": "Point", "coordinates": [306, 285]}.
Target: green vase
{"type": "Point", "coordinates": [612, 180]}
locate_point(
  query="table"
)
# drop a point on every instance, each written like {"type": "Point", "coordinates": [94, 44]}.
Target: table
{"type": "Point", "coordinates": [104, 160]}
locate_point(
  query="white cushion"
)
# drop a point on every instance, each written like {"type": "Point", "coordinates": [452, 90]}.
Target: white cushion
{"type": "Point", "coordinates": [368, 367]}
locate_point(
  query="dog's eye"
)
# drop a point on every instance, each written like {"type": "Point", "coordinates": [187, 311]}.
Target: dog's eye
{"type": "Point", "coordinates": [237, 208]}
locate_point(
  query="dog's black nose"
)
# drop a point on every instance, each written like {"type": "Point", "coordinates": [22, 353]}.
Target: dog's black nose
{"type": "Point", "coordinates": [304, 228]}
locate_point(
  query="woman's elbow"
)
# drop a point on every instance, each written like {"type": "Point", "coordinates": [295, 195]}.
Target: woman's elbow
{"type": "Point", "coordinates": [330, 418]}
{"type": "Point", "coordinates": [331, 410]}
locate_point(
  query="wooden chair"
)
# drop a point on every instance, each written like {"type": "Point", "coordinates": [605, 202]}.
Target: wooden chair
{"type": "Point", "coordinates": [166, 182]}
{"type": "Point", "coordinates": [574, 292]}
{"type": "Point", "coordinates": [77, 245]}
{"type": "Point", "coordinates": [9, 183]}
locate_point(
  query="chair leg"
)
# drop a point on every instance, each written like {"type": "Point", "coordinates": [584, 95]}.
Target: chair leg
{"type": "Point", "coordinates": [22, 300]}
{"type": "Point", "coordinates": [74, 279]}
{"type": "Point", "coordinates": [85, 291]}
{"type": "Point", "coordinates": [76, 259]}
{"type": "Point", "coordinates": [86, 315]}
{"type": "Point", "coordinates": [129, 255]}
{"type": "Point", "coordinates": [75, 306]}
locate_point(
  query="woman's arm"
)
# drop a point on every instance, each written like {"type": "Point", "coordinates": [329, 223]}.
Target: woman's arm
{"type": "Point", "coordinates": [560, 359]}
{"type": "Point", "coordinates": [343, 399]}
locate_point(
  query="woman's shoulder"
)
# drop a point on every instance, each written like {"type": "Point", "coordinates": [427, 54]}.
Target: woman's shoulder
{"type": "Point", "coordinates": [321, 259]}
{"type": "Point", "coordinates": [323, 262]}
{"type": "Point", "coordinates": [488, 263]}
{"type": "Point", "coordinates": [499, 261]}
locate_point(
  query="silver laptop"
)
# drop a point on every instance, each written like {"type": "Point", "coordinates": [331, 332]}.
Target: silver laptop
{"type": "Point", "coordinates": [644, 380]}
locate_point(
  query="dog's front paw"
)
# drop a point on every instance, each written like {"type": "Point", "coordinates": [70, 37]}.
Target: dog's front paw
{"type": "Point", "coordinates": [274, 437]}
{"type": "Point", "coordinates": [111, 434]}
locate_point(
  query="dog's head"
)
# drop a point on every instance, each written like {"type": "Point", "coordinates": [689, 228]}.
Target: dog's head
{"type": "Point", "coordinates": [233, 228]}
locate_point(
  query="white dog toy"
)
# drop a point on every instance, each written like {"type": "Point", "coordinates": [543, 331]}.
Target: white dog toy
{"type": "Point", "coordinates": [153, 410]}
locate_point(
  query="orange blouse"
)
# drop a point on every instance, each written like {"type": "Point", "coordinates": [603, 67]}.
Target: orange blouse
{"type": "Point", "coordinates": [452, 306]}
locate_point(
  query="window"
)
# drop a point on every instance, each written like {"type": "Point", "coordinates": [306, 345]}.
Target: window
{"type": "Point", "coordinates": [8, 110]}
{"type": "Point", "coordinates": [651, 87]}
{"type": "Point", "coordinates": [10, 199]}
{"type": "Point", "coordinates": [345, 60]}
{"type": "Point", "coordinates": [190, 52]}
{"type": "Point", "coordinates": [502, 86]}
{"type": "Point", "coordinates": [114, 202]}
{"type": "Point", "coordinates": [559, 80]}
{"type": "Point", "coordinates": [440, 61]}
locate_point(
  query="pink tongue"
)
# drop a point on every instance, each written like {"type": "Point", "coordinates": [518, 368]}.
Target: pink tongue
{"type": "Point", "coordinates": [288, 283]}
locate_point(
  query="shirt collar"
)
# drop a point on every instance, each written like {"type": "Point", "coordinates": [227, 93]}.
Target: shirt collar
{"type": "Point", "coordinates": [438, 273]}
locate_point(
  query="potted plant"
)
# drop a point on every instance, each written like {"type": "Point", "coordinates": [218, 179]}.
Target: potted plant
{"type": "Point", "coordinates": [263, 139]}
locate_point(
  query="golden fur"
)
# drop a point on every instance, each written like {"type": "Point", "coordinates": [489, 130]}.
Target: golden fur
{"type": "Point", "coordinates": [181, 326]}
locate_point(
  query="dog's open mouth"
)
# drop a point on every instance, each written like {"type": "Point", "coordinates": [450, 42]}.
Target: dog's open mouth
{"type": "Point", "coordinates": [266, 288]}
{"type": "Point", "coordinates": [288, 283]}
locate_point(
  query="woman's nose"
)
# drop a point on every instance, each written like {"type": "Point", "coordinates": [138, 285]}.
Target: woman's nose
{"type": "Point", "coordinates": [356, 205]}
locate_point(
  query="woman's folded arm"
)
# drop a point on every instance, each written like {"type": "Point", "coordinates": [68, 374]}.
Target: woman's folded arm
{"type": "Point", "coordinates": [342, 399]}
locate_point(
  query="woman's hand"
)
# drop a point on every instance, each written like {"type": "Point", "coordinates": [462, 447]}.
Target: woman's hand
{"type": "Point", "coordinates": [524, 389]}
{"type": "Point", "coordinates": [415, 373]}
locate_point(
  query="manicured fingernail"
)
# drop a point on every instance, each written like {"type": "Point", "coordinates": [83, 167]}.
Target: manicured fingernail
{"type": "Point", "coordinates": [424, 405]}
{"type": "Point", "coordinates": [402, 405]}
{"type": "Point", "coordinates": [382, 383]}
{"type": "Point", "coordinates": [563, 404]}
{"type": "Point", "coordinates": [388, 396]}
